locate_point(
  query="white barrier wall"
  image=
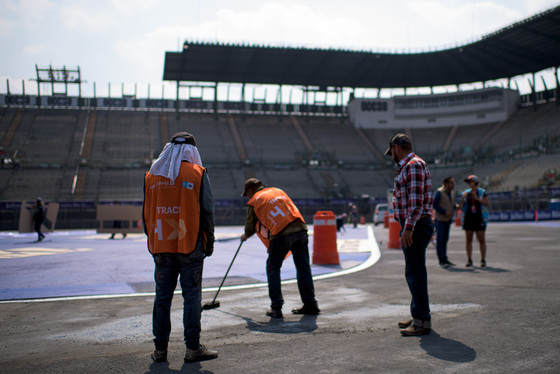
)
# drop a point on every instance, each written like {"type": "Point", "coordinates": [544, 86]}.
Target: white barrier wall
{"type": "Point", "coordinates": [490, 105]}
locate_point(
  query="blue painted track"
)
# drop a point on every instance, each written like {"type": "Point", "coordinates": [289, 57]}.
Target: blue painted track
{"type": "Point", "coordinates": [84, 263]}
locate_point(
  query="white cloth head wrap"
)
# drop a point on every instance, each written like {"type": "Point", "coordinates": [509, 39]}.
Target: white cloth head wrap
{"type": "Point", "coordinates": [169, 161]}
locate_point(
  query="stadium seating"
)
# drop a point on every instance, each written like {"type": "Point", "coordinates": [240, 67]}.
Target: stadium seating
{"type": "Point", "coordinates": [532, 170]}
{"type": "Point", "coordinates": [269, 140]}
{"type": "Point", "coordinates": [214, 140]}
{"type": "Point", "coordinates": [525, 126]}
{"type": "Point", "coordinates": [310, 157]}
{"type": "Point", "coordinates": [122, 139]}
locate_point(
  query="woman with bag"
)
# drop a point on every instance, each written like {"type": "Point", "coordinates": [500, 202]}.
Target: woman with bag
{"type": "Point", "coordinates": [474, 204]}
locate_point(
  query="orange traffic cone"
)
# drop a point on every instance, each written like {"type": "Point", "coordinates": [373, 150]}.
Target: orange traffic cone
{"type": "Point", "coordinates": [324, 239]}
{"type": "Point", "coordinates": [458, 216]}
{"type": "Point", "coordinates": [394, 233]}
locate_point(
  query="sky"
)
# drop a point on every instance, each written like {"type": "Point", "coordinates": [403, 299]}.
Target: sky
{"type": "Point", "coordinates": [123, 42]}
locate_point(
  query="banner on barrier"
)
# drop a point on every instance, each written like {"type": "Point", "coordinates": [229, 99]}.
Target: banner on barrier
{"type": "Point", "coordinates": [524, 215]}
{"type": "Point", "coordinates": [26, 212]}
{"type": "Point", "coordinates": [117, 219]}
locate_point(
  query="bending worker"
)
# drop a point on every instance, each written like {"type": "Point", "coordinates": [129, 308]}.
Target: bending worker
{"type": "Point", "coordinates": [273, 216]}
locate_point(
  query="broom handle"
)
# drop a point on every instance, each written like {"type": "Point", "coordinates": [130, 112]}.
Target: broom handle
{"type": "Point", "coordinates": [227, 272]}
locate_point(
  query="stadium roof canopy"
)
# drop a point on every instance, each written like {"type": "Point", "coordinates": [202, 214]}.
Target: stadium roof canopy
{"type": "Point", "coordinates": [525, 47]}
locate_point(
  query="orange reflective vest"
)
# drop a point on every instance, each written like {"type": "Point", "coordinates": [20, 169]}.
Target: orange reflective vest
{"type": "Point", "coordinates": [172, 210]}
{"type": "Point", "coordinates": [274, 210]}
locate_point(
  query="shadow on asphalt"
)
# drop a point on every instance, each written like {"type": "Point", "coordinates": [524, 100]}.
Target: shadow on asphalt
{"type": "Point", "coordinates": [163, 368]}
{"type": "Point", "coordinates": [305, 325]}
{"type": "Point", "coordinates": [446, 349]}
{"type": "Point", "coordinates": [488, 269]}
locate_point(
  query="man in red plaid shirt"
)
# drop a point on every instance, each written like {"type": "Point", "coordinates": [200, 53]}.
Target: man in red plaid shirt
{"type": "Point", "coordinates": [412, 206]}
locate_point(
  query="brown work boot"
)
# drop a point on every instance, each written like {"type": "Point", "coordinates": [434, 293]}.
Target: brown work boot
{"type": "Point", "coordinates": [405, 324]}
{"type": "Point", "coordinates": [275, 313]}
{"type": "Point", "coordinates": [201, 354]}
{"type": "Point", "coordinates": [159, 356]}
{"type": "Point", "coordinates": [307, 309]}
{"type": "Point", "coordinates": [417, 328]}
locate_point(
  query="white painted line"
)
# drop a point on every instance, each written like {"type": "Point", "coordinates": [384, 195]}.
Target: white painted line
{"type": "Point", "coordinates": [375, 255]}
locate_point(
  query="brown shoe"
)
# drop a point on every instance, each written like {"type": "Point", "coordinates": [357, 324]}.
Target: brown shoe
{"type": "Point", "coordinates": [312, 310]}
{"type": "Point", "coordinates": [201, 354]}
{"type": "Point", "coordinates": [405, 324]}
{"type": "Point", "coordinates": [275, 313]}
{"type": "Point", "coordinates": [159, 356]}
{"type": "Point", "coordinates": [414, 330]}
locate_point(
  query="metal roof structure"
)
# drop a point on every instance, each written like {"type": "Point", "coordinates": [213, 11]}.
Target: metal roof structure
{"type": "Point", "coordinates": [525, 47]}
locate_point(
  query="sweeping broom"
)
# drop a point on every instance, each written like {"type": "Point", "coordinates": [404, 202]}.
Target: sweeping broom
{"type": "Point", "coordinates": [216, 304]}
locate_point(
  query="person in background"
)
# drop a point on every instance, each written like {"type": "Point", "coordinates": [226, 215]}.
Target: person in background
{"type": "Point", "coordinates": [39, 214]}
{"type": "Point", "coordinates": [273, 216]}
{"type": "Point", "coordinates": [445, 206]}
{"type": "Point", "coordinates": [353, 217]}
{"type": "Point", "coordinates": [340, 222]}
{"type": "Point", "coordinates": [178, 217]}
{"type": "Point", "coordinates": [117, 225]}
{"type": "Point", "coordinates": [474, 203]}
{"type": "Point", "coordinates": [412, 206]}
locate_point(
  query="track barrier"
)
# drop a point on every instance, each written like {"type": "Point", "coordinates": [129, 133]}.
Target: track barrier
{"type": "Point", "coordinates": [394, 233]}
{"type": "Point", "coordinates": [386, 220]}
{"type": "Point", "coordinates": [458, 215]}
{"type": "Point", "coordinates": [325, 250]}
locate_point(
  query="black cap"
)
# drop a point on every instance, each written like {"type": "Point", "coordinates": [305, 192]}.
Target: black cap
{"type": "Point", "coordinates": [250, 183]}
{"type": "Point", "coordinates": [183, 137]}
{"type": "Point", "coordinates": [398, 139]}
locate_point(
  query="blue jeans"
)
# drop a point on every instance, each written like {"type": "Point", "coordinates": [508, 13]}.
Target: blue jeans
{"type": "Point", "coordinates": [168, 267]}
{"type": "Point", "coordinates": [415, 268]}
{"type": "Point", "coordinates": [277, 251]}
{"type": "Point", "coordinates": [442, 231]}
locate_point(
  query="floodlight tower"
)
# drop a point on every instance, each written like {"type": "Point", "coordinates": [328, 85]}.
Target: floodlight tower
{"type": "Point", "coordinates": [58, 76]}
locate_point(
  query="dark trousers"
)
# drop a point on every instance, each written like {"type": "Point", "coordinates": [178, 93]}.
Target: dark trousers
{"type": "Point", "coordinates": [168, 267]}
{"type": "Point", "coordinates": [442, 231]}
{"type": "Point", "coordinates": [277, 251]}
{"type": "Point", "coordinates": [415, 268]}
{"type": "Point", "coordinates": [37, 227]}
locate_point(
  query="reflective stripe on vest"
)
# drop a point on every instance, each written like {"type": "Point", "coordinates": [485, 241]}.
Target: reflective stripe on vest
{"type": "Point", "coordinates": [263, 234]}
{"type": "Point", "coordinates": [274, 209]}
{"type": "Point", "coordinates": [172, 210]}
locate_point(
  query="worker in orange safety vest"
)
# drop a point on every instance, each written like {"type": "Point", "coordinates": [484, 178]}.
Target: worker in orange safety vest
{"type": "Point", "coordinates": [178, 217]}
{"type": "Point", "coordinates": [273, 216]}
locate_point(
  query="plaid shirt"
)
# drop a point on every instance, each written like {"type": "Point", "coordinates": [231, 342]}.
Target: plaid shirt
{"type": "Point", "coordinates": [412, 193]}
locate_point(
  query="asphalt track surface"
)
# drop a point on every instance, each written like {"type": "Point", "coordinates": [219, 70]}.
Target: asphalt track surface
{"type": "Point", "coordinates": [80, 303]}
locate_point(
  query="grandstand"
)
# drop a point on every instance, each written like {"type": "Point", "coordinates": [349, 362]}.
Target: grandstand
{"type": "Point", "coordinates": [94, 150]}
{"type": "Point", "coordinates": [312, 158]}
